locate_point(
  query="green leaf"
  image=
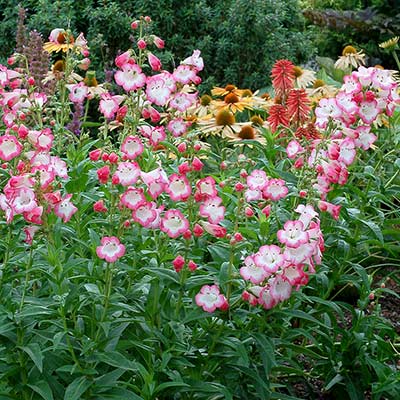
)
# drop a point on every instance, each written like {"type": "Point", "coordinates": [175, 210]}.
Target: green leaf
{"type": "Point", "coordinates": [43, 389]}
{"type": "Point", "coordinates": [118, 360]}
{"type": "Point", "coordinates": [166, 385]}
{"type": "Point", "coordinates": [267, 351]}
{"type": "Point", "coordinates": [119, 394]}
{"type": "Point", "coordinates": [92, 288]}
{"type": "Point", "coordinates": [78, 184]}
{"type": "Point", "coordinates": [76, 388]}
{"type": "Point", "coordinates": [35, 353]}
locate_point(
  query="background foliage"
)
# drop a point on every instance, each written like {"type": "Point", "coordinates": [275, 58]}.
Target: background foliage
{"type": "Point", "coordinates": [239, 39]}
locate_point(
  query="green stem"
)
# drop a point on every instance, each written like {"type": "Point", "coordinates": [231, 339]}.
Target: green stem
{"type": "Point", "coordinates": [107, 294]}
{"type": "Point", "coordinates": [28, 266]}
{"type": "Point", "coordinates": [396, 58]}
{"type": "Point", "coordinates": [6, 255]}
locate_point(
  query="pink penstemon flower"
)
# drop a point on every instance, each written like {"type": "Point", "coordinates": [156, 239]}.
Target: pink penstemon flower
{"type": "Point", "coordinates": [144, 214]}
{"type": "Point", "coordinates": [179, 188]}
{"type": "Point", "coordinates": [110, 249]}
{"type": "Point", "coordinates": [210, 298]}
{"type": "Point", "coordinates": [132, 147]}
{"type": "Point", "coordinates": [65, 209]}
{"type": "Point", "coordinates": [10, 147]}
{"type": "Point", "coordinates": [130, 77]}
{"type": "Point", "coordinates": [127, 173]}
{"type": "Point", "coordinates": [132, 198]}
{"type": "Point", "coordinates": [275, 189]}
{"type": "Point", "coordinates": [269, 257]}
{"type": "Point", "coordinates": [174, 223]}
{"type": "Point", "coordinates": [212, 209]}
{"type": "Point", "coordinates": [257, 180]}
{"type": "Point", "coordinates": [293, 234]}
{"type": "Point", "coordinates": [252, 272]}
{"type": "Point", "coordinates": [109, 105]}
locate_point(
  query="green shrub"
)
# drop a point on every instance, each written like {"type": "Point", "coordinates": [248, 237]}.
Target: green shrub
{"type": "Point", "coordinates": [239, 39]}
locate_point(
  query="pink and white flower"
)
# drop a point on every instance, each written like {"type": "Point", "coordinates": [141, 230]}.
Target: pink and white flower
{"type": "Point", "coordinates": [130, 77]}
{"type": "Point", "coordinates": [293, 234]}
{"type": "Point", "coordinates": [65, 209]}
{"type": "Point", "coordinates": [368, 111]}
{"type": "Point", "coordinates": [174, 223]}
{"type": "Point", "coordinates": [156, 90]}
{"type": "Point", "coordinates": [144, 214]}
{"type": "Point", "coordinates": [132, 198]}
{"type": "Point", "coordinates": [10, 147]}
{"type": "Point", "coordinates": [156, 181]}
{"type": "Point", "coordinates": [177, 127]}
{"type": "Point", "coordinates": [109, 105]}
{"type": "Point", "coordinates": [293, 149]}
{"type": "Point", "coordinates": [257, 180]}
{"type": "Point", "coordinates": [280, 289]}
{"type": "Point", "coordinates": [252, 272]}
{"type": "Point", "coordinates": [111, 249]}
{"type": "Point", "coordinates": [210, 298]}
{"type": "Point", "coordinates": [132, 147]}
{"type": "Point", "coordinates": [184, 74]}
{"type": "Point", "coordinates": [269, 257]}
{"type": "Point", "coordinates": [182, 101]}
{"type": "Point", "coordinates": [275, 189]}
{"type": "Point", "coordinates": [214, 229]}
{"type": "Point", "coordinates": [24, 200]}
{"type": "Point", "coordinates": [127, 173]}
{"type": "Point", "coordinates": [78, 92]}
{"type": "Point", "coordinates": [212, 209]}
{"type": "Point", "coordinates": [179, 188]}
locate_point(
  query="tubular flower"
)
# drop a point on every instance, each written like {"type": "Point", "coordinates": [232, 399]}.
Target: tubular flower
{"type": "Point", "coordinates": [278, 115]}
{"type": "Point", "coordinates": [298, 106]}
{"type": "Point", "coordinates": [283, 77]}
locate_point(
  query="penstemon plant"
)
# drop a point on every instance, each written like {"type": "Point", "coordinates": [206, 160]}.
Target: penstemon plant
{"type": "Point", "coordinates": [146, 245]}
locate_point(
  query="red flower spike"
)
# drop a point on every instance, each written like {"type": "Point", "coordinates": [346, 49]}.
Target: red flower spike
{"type": "Point", "coordinates": [283, 77]}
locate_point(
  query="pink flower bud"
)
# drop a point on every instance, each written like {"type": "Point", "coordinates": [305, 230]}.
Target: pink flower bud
{"type": "Point", "coordinates": [104, 157]}
{"type": "Point", "coordinates": [141, 44]}
{"type": "Point", "coordinates": [192, 265]}
{"type": "Point", "coordinates": [115, 180]}
{"type": "Point", "coordinates": [266, 210]}
{"type": "Point", "coordinates": [248, 212]}
{"type": "Point", "coordinates": [147, 19]}
{"type": "Point", "coordinates": [31, 81]}
{"type": "Point", "coordinates": [197, 165]}
{"type": "Point", "coordinates": [198, 230]}
{"type": "Point", "coordinates": [197, 147]}
{"type": "Point", "coordinates": [182, 147]}
{"type": "Point", "coordinates": [178, 263]}
{"type": "Point", "coordinates": [238, 237]}
{"type": "Point", "coordinates": [103, 174]}
{"type": "Point", "coordinates": [243, 173]}
{"type": "Point", "coordinates": [99, 206]}
{"type": "Point", "coordinates": [11, 60]}
{"type": "Point", "coordinates": [184, 168]}
{"type": "Point", "coordinates": [94, 155]}
{"type": "Point", "coordinates": [187, 235]}
{"type": "Point", "coordinates": [299, 163]}
{"type": "Point", "coordinates": [159, 42]}
{"type": "Point", "coordinates": [223, 165]}
{"type": "Point", "coordinates": [239, 187]}
{"type": "Point", "coordinates": [135, 24]}
{"type": "Point", "coordinates": [371, 296]}
{"type": "Point", "coordinates": [113, 158]}
{"type": "Point", "coordinates": [154, 62]}
{"type": "Point", "coordinates": [303, 193]}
